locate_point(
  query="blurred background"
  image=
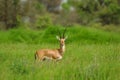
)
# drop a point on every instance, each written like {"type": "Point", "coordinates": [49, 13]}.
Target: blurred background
{"type": "Point", "coordinates": [37, 14]}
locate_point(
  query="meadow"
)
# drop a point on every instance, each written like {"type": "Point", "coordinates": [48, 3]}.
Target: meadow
{"type": "Point", "coordinates": [91, 54]}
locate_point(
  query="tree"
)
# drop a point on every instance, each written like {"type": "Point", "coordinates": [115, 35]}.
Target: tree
{"type": "Point", "coordinates": [11, 9]}
{"type": "Point", "coordinates": [103, 11]}
{"type": "Point", "coordinates": [9, 12]}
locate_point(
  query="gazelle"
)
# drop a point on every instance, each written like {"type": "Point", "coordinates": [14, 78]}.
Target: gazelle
{"type": "Point", "coordinates": [55, 54]}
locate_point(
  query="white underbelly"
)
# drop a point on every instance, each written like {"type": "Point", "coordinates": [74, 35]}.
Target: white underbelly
{"type": "Point", "coordinates": [50, 58]}
{"type": "Point", "coordinates": [46, 57]}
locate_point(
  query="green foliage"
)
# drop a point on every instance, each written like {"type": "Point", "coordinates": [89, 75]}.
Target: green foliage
{"type": "Point", "coordinates": [110, 14]}
{"type": "Point", "coordinates": [19, 67]}
{"type": "Point", "coordinates": [106, 11]}
{"type": "Point", "coordinates": [110, 28]}
{"type": "Point", "coordinates": [15, 2]}
{"type": "Point", "coordinates": [24, 36]}
{"type": "Point", "coordinates": [66, 6]}
{"type": "Point", "coordinates": [9, 11]}
{"type": "Point", "coordinates": [40, 8]}
{"type": "Point", "coordinates": [75, 34]}
{"type": "Point", "coordinates": [43, 21]}
{"type": "Point", "coordinates": [41, 14]}
{"type": "Point", "coordinates": [92, 36]}
{"type": "Point", "coordinates": [86, 9]}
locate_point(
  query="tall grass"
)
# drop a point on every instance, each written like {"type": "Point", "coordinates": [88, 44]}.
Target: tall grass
{"type": "Point", "coordinates": [91, 54]}
{"type": "Point", "coordinates": [80, 62]}
{"type": "Point", "coordinates": [75, 34]}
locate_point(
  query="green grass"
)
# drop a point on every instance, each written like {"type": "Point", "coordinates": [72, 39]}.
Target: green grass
{"type": "Point", "coordinates": [91, 54]}
{"type": "Point", "coordinates": [80, 62]}
{"type": "Point", "coordinates": [81, 35]}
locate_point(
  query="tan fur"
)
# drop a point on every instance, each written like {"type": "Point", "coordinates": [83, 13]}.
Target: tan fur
{"type": "Point", "coordinates": [51, 53]}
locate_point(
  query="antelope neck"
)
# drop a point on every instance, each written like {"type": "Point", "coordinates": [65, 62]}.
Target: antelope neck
{"type": "Point", "coordinates": [62, 48]}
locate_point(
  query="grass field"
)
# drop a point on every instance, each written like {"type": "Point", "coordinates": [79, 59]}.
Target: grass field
{"type": "Point", "coordinates": [90, 55]}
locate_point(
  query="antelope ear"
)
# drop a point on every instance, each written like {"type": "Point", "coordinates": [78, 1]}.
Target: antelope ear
{"type": "Point", "coordinates": [58, 37]}
{"type": "Point", "coordinates": [66, 37]}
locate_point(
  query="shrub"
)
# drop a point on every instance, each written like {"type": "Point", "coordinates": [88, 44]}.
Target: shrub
{"type": "Point", "coordinates": [43, 22]}
{"type": "Point", "coordinates": [21, 66]}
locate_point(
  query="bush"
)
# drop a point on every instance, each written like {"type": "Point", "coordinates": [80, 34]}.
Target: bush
{"type": "Point", "coordinates": [21, 67]}
{"type": "Point", "coordinates": [43, 22]}
{"type": "Point", "coordinates": [75, 34]}
{"type": "Point", "coordinates": [105, 11]}
{"type": "Point", "coordinates": [110, 14]}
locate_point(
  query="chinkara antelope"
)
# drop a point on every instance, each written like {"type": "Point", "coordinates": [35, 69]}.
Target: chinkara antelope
{"type": "Point", "coordinates": [54, 54]}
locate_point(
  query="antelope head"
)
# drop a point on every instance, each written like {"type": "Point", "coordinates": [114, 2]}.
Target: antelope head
{"type": "Point", "coordinates": [62, 38]}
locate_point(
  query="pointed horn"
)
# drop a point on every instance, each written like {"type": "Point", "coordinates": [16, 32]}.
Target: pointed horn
{"type": "Point", "coordinates": [64, 32]}
{"type": "Point", "coordinates": [59, 33]}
